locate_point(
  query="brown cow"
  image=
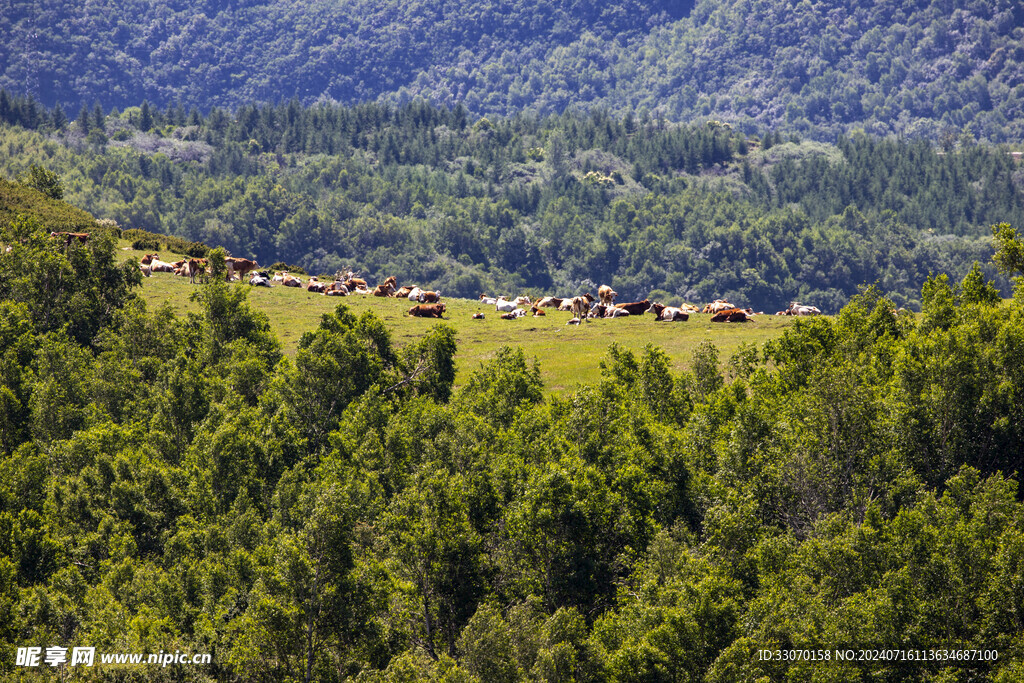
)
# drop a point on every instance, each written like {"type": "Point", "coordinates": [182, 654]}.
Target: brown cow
{"type": "Point", "coordinates": [537, 311]}
{"type": "Point", "coordinates": [606, 295]}
{"type": "Point", "coordinates": [430, 297]}
{"type": "Point", "coordinates": [196, 266]}
{"type": "Point", "coordinates": [239, 266]}
{"type": "Point", "coordinates": [291, 281]}
{"type": "Point", "coordinates": [427, 310]}
{"type": "Point", "coordinates": [733, 315]}
{"type": "Point", "coordinates": [386, 288]}
{"type": "Point", "coordinates": [635, 307]}
{"type": "Point", "coordinates": [478, 316]}
{"type": "Point", "coordinates": [403, 292]}
{"type": "Point", "coordinates": [70, 237]}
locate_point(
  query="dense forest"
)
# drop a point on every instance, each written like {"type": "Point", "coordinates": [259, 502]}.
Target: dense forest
{"type": "Point", "coordinates": [917, 68]}
{"type": "Point", "coordinates": [554, 205]}
{"type": "Point", "coordinates": [174, 483]}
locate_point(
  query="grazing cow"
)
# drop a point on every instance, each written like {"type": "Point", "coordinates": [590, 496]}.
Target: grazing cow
{"type": "Point", "coordinates": [606, 295]}
{"type": "Point", "coordinates": [70, 237]}
{"type": "Point", "coordinates": [196, 267]}
{"type": "Point", "coordinates": [581, 306]}
{"type": "Point", "coordinates": [549, 302]}
{"type": "Point", "coordinates": [503, 306]}
{"type": "Point", "coordinates": [668, 313]}
{"type": "Point", "coordinates": [716, 306]}
{"type": "Point", "coordinates": [478, 316]}
{"type": "Point", "coordinates": [239, 266]}
{"type": "Point", "coordinates": [567, 304]}
{"type": "Point", "coordinates": [427, 310]}
{"type": "Point", "coordinates": [635, 307]}
{"type": "Point", "coordinates": [733, 315]}
{"type": "Point", "coordinates": [430, 297]}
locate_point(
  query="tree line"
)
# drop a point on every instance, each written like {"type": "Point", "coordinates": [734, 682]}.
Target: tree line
{"type": "Point", "coordinates": [552, 205]}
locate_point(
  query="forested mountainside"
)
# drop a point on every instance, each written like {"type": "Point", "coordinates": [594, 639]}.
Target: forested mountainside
{"type": "Point", "coordinates": [918, 68]}
{"type": "Point", "coordinates": [174, 484]}
{"type": "Point", "coordinates": [555, 204]}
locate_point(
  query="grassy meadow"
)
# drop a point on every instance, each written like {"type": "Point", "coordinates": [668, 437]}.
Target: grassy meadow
{"type": "Point", "coordinates": [568, 354]}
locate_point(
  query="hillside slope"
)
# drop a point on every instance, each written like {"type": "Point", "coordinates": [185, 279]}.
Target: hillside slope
{"type": "Point", "coordinates": [919, 68]}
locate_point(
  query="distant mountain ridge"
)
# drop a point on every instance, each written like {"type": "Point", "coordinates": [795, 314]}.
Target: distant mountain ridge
{"type": "Point", "coordinates": [917, 68]}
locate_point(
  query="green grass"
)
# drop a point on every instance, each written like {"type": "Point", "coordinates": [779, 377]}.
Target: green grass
{"type": "Point", "coordinates": [568, 354]}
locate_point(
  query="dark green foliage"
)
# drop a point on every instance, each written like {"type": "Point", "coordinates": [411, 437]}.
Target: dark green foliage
{"type": "Point", "coordinates": [942, 70]}
{"type": "Point", "coordinates": [397, 191]}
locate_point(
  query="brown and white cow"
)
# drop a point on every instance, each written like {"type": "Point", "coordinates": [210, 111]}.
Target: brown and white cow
{"type": "Point", "coordinates": [668, 313]}
{"type": "Point", "coordinates": [716, 306]}
{"type": "Point", "coordinates": [429, 297]}
{"type": "Point", "coordinates": [733, 315]}
{"type": "Point", "coordinates": [581, 306]}
{"type": "Point", "coordinates": [606, 294]}
{"type": "Point", "coordinates": [550, 302]}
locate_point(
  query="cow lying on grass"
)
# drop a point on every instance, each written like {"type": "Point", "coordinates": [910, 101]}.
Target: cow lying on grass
{"type": "Point", "coordinates": [427, 311]}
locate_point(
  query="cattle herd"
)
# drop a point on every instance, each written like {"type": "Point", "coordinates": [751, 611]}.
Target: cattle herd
{"type": "Point", "coordinates": [428, 304]}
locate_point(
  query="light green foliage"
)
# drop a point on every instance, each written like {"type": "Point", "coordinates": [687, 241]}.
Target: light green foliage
{"type": "Point", "coordinates": [45, 181]}
{"type": "Point", "coordinates": [174, 482]}
{"type": "Point", "coordinates": [1009, 254]}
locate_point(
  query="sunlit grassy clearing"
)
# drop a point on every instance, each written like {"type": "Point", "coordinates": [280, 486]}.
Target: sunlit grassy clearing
{"type": "Point", "coordinates": [568, 354]}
